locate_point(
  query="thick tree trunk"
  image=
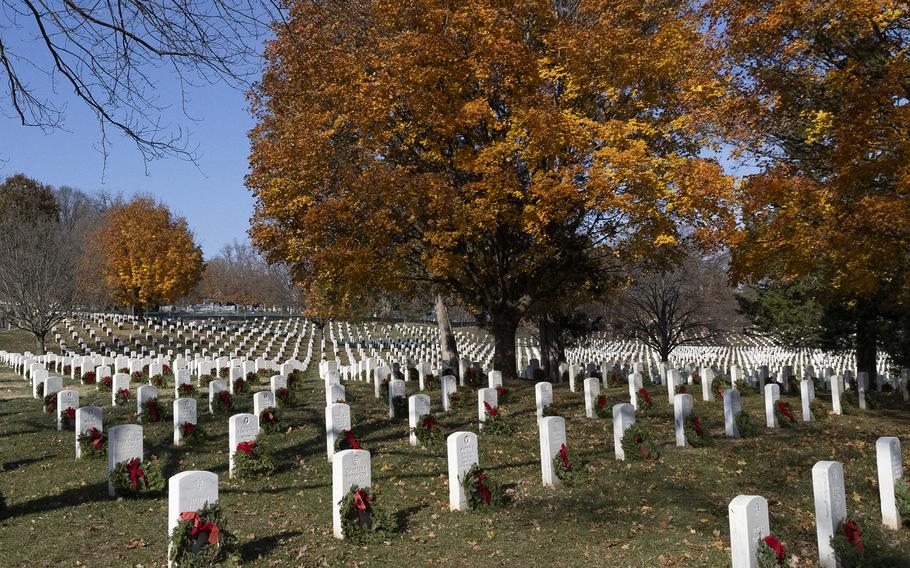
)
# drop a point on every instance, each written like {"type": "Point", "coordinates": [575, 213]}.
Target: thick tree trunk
{"type": "Point", "coordinates": [40, 342]}
{"type": "Point", "coordinates": [551, 349]}
{"type": "Point", "coordinates": [866, 348]}
{"type": "Point", "coordinates": [446, 336]}
{"type": "Point", "coordinates": [504, 328]}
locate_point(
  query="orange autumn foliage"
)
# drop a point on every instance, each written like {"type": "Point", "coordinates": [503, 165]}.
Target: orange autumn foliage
{"type": "Point", "coordinates": [147, 255]}
{"type": "Point", "coordinates": [504, 152]}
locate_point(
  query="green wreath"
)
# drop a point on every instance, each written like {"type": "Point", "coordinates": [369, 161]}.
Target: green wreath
{"type": "Point", "coordinates": [270, 420]}
{"type": "Point", "coordinates": [857, 547]}
{"type": "Point", "coordinates": [745, 425]}
{"type": "Point", "coordinates": [427, 431]}
{"type": "Point", "coordinates": [496, 422]}
{"type": "Point", "coordinates": [93, 443]}
{"type": "Point", "coordinates": [455, 401]}
{"type": "Point", "coordinates": [186, 390]}
{"type": "Point", "coordinates": [820, 412]}
{"type": "Point", "coordinates": [50, 402]}
{"type": "Point", "coordinates": [902, 497]}
{"type": "Point", "coordinates": [473, 378]}
{"type": "Point", "coordinates": [550, 410]}
{"type": "Point", "coordinates": [191, 435]}
{"type": "Point", "coordinates": [200, 540]}
{"type": "Point", "coordinates": [285, 398]}
{"type": "Point", "coordinates": [252, 459]}
{"type": "Point", "coordinates": [781, 409]}
{"type": "Point", "coordinates": [362, 522]}
{"type": "Point", "coordinates": [568, 474]}
{"type": "Point", "coordinates": [603, 410]}
{"type": "Point", "coordinates": [429, 380]}
{"type": "Point", "coordinates": [239, 386]}
{"type": "Point", "coordinates": [345, 440]}
{"type": "Point", "coordinates": [480, 490]}
{"type": "Point", "coordinates": [399, 407]}
{"type": "Point", "coordinates": [637, 444]}
{"type": "Point", "coordinates": [152, 412]}
{"type": "Point", "coordinates": [222, 403]}
{"type": "Point", "coordinates": [503, 395]}
{"type": "Point", "coordinates": [104, 384]}
{"type": "Point", "coordinates": [767, 556]}
{"type": "Point", "coordinates": [159, 381]}
{"type": "Point", "coordinates": [252, 378]}
{"type": "Point", "coordinates": [696, 434]}
{"type": "Point", "coordinates": [206, 379]}
{"type": "Point", "coordinates": [643, 397]}
{"type": "Point", "coordinates": [137, 477]}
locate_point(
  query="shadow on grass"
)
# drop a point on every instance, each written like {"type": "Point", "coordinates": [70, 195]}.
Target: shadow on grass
{"type": "Point", "coordinates": [13, 465]}
{"type": "Point", "coordinates": [68, 498]}
{"type": "Point", "coordinates": [253, 549]}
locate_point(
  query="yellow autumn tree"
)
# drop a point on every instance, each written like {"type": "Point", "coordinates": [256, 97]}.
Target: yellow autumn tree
{"type": "Point", "coordinates": [503, 152]}
{"type": "Point", "coordinates": [147, 254]}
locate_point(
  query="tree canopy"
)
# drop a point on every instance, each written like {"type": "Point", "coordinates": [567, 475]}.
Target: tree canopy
{"type": "Point", "coordinates": [148, 254]}
{"type": "Point", "coordinates": [502, 152]}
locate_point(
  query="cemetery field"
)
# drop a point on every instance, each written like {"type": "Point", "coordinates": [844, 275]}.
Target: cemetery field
{"type": "Point", "coordinates": [671, 512]}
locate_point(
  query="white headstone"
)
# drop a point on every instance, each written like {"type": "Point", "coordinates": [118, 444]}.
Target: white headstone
{"type": "Point", "coordinates": [462, 453]}
{"type": "Point", "coordinates": [623, 417]}
{"type": "Point", "coordinates": [552, 434]}
{"type": "Point", "coordinates": [396, 388]}
{"type": "Point", "coordinates": [830, 507]}
{"type": "Point", "coordinates": [447, 385]}
{"type": "Point", "coordinates": [707, 380]}
{"type": "Point", "coordinates": [188, 492]}
{"type": "Point", "coordinates": [418, 406]}
{"type": "Point", "coordinates": [890, 470]}
{"type": "Point", "coordinates": [119, 382]}
{"type": "Point", "coordinates": [66, 399]}
{"type": "Point", "coordinates": [349, 468]}
{"type": "Point", "coordinates": [242, 427]}
{"type": "Point", "coordinates": [682, 408]}
{"type": "Point", "coordinates": [143, 394]}
{"type": "Point", "coordinates": [124, 442]}
{"type": "Point", "coordinates": [87, 417]}
{"type": "Point", "coordinates": [543, 393]}
{"type": "Point", "coordinates": [215, 389]}
{"type": "Point", "coordinates": [337, 420]}
{"type": "Point", "coordinates": [261, 401]}
{"type": "Point", "coordinates": [748, 526]}
{"type": "Point", "coordinates": [772, 395]}
{"type": "Point", "coordinates": [732, 407]}
{"type": "Point", "coordinates": [184, 411]}
{"type": "Point", "coordinates": [592, 391]}
{"type": "Point", "coordinates": [486, 397]}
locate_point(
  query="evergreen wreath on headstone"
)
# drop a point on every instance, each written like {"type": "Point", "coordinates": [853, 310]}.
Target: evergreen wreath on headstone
{"type": "Point", "coordinates": [480, 491]}
{"type": "Point", "coordinates": [136, 477]}
{"type": "Point", "coordinates": [362, 520]}
{"type": "Point", "coordinates": [201, 539]}
{"type": "Point", "coordinates": [252, 459]}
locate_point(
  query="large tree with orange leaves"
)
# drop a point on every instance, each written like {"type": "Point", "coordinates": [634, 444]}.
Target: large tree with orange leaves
{"type": "Point", "coordinates": [148, 255]}
{"type": "Point", "coordinates": [503, 152]}
{"type": "Point", "coordinates": [818, 98]}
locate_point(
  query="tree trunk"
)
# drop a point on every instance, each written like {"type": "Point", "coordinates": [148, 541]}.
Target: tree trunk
{"type": "Point", "coordinates": [446, 336]}
{"type": "Point", "coordinates": [551, 351]}
{"type": "Point", "coordinates": [40, 342]}
{"type": "Point", "coordinates": [504, 328]}
{"type": "Point", "coordinates": [866, 348]}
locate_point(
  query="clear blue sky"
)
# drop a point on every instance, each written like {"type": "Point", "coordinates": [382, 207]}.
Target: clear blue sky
{"type": "Point", "coordinates": [211, 196]}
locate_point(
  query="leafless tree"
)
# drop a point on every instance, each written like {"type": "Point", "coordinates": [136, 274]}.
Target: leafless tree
{"type": "Point", "coordinates": [37, 268]}
{"type": "Point", "coordinates": [114, 57]}
{"type": "Point", "coordinates": [239, 274]}
{"type": "Point", "coordinates": [664, 310]}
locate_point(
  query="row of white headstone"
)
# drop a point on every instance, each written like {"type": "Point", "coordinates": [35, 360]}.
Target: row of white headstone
{"type": "Point", "coordinates": [749, 513]}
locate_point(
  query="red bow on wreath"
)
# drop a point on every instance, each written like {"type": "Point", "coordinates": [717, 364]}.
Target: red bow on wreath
{"type": "Point", "coordinates": [428, 422]}
{"type": "Point", "coordinates": [269, 416]}
{"type": "Point", "coordinates": [601, 400]}
{"type": "Point", "coordinates": [97, 439]}
{"type": "Point", "coordinates": [124, 394]}
{"type": "Point", "coordinates": [246, 447]}
{"type": "Point", "coordinates": [135, 471]}
{"type": "Point", "coordinates": [564, 457]}
{"type": "Point", "coordinates": [225, 399]}
{"type": "Point", "coordinates": [500, 391]}
{"type": "Point", "coordinates": [351, 441]}
{"type": "Point", "coordinates": [282, 393]}
{"type": "Point", "coordinates": [696, 424]}
{"type": "Point", "coordinates": [777, 547]}
{"type": "Point", "coordinates": [485, 494]}
{"type": "Point", "coordinates": [361, 500]}
{"type": "Point", "coordinates": [152, 406]}
{"type": "Point", "coordinates": [188, 428]}
{"type": "Point", "coordinates": [782, 406]}
{"type": "Point", "coordinates": [70, 413]}
{"type": "Point", "coordinates": [644, 394]}
{"type": "Point", "coordinates": [854, 536]}
{"type": "Point", "coordinates": [200, 527]}
{"type": "Point", "coordinates": [492, 411]}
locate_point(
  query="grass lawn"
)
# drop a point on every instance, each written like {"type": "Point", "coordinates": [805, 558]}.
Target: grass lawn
{"type": "Point", "coordinates": [672, 512]}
